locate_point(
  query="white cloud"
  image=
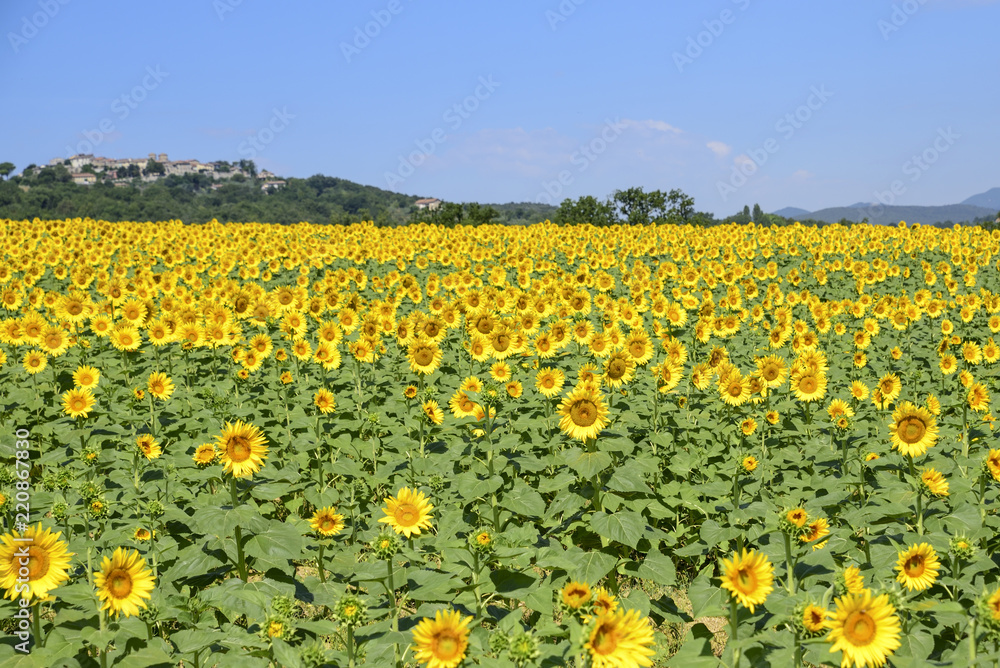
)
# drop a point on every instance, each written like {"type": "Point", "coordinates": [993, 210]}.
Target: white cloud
{"type": "Point", "coordinates": [651, 125]}
{"type": "Point", "coordinates": [719, 148]}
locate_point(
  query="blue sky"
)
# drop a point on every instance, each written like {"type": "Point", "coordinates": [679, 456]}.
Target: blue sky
{"type": "Point", "coordinates": [785, 103]}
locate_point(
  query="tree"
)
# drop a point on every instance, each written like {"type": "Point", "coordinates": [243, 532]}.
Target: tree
{"type": "Point", "coordinates": [636, 207]}
{"type": "Point", "coordinates": [480, 215]}
{"type": "Point", "coordinates": [154, 167]}
{"type": "Point", "coordinates": [758, 214]}
{"type": "Point", "coordinates": [587, 210]}
{"type": "Point", "coordinates": [6, 168]}
{"type": "Point", "coordinates": [681, 206]}
{"type": "Point", "coordinates": [249, 167]}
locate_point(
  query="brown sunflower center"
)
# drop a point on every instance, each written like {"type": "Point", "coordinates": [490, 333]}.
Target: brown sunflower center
{"type": "Point", "coordinates": [770, 373]}
{"type": "Point", "coordinates": [501, 342]}
{"type": "Point", "coordinates": [915, 566]}
{"type": "Point", "coordinates": [911, 429]}
{"type": "Point", "coordinates": [119, 583]}
{"type": "Point", "coordinates": [446, 646]}
{"type": "Point", "coordinates": [423, 356]}
{"type": "Point", "coordinates": [605, 640]}
{"type": "Point", "coordinates": [617, 369]}
{"type": "Point", "coordinates": [637, 349]}
{"type": "Point", "coordinates": [859, 628]}
{"type": "Point", "coordinates": [808, 384]}
{"type": "Point", "coordinates": [38, 563]}
{"type": "Point", "coordinates": [746, 581]}
{"type": "Point", "coordinates": [583, 413]}
{"type": "Point", "coordinates": [406, 514]}
{"type": "Point", "coordinates": [239, 449]}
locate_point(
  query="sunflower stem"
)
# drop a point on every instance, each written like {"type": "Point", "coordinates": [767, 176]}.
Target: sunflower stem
{"type": "Point", "coordinates": [319, 563]}
{"type": "Point", "coordinates": [391, 586]}
{"type": "Point", "coordinates": [350, 645]}
{"type": "Point", "coordinates": [734, 616]}
{"type": "Point", "coordinates": [790, 562]}
{"type": "Point", "coordinates": [241, 565]}
{"type": "Point", "coordinates": [972, 641]}
{"type": "Point", "coordinates": [920, 500]}
{"type": "Point", "coordinates": [36, 624]}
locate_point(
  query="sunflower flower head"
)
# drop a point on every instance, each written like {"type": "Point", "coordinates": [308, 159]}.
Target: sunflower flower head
{"type": "Point", "coordinates": [620, 638]}
{"type": "Point", "coordinates": [441, 642]}
{"type": "Point", "coordinates": [918, 567]}
{"type": "Point", "coordinates": [242, 449]}
{"type": "Point", "coordinates": [124, 584]}
{"type": "Point", "coordinates": [749, 577]}
{"type": "Point", "coordinates": [351, 611]}
{"type": "Point", "coordinates": [408, 513]}
{"type": "Point", "coordinates": [385, 545]}
{"type": "Point", "coordinates": [42, 553]}
{"type": "Point", "coordinates": [865, 629]}
{"type": "Point", "coordinates": [962, 547]}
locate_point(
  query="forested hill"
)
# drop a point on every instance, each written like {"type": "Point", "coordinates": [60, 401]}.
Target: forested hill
{"type": "Point", "coordinates": [193, 199]}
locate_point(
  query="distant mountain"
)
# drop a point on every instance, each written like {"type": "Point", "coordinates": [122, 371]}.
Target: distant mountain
{"type": "Point", "coordinates": [791, 212]}
{"type": "Point", "coordinates": [860, 205]}
{"type": "Point", "coordinates": [891, 215]}
{"type": "Point", "coordinates": [989, 199]}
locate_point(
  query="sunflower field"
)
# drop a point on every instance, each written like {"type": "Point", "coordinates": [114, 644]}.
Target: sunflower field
{"type": "Point", "coordinates": [311, 445]}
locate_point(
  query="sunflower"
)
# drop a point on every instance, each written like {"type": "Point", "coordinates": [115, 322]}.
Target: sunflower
{"type": "Point", "coordinates": [619, 369]}
{"type": "Point", "coordinates": [933, 482]}
{"type": "Point", "coordinates": [749, 577]}
{"type": "Point", "coordinates": [978, 397]}
{"type": "Point", "coordinates": [204, 454]}
{"type": "Point", "coordinates": [149, 448]}
{"type": "Point", "coordinates": [621, 639]}
{"type": "Point", "coordinates": [125, 337]}
{"type": "Point", "coordinates": [461, 405]}
{"type": "Point", "coordinates": [852, 580]}
{"type": "Point", "coordinates": [749, 463]}
{"type": "Point", "coordinates": [425, 356]}
{"type": "Point", "coordinates": [123, 582]}
{"type": "Point", "coordinates": [34, 361]}
{"type": "Point", "coordinates": [638, 347]}
{"type": "Point", "coordinates": [814, 618]}
{"type": "Point", "coordinates": [408, 512]}
{"type": "Point", "coordinates": [242, 449]}
{"type": "Point", "coordinates": [86, 377]}
{"type": "Point", "coordinates": [160, 386]}
{"type": "Point", "coordinates": [77, 403]}
{"type": "Point", "coordinates": [575, 595]}
{"type": "Point", "coordinates": [326, 522]}
{"type": "Point", "coordinates": [549, 381]}
{"type": "Point", "coordinates": [992, 464]}
{"type": "Point", "coordinates": [734, 388]}
{"type": "Point", "coordinates": [890, 387]}
{"type": "Point", "coordinates": [433, 411]}
{"type": "Point", "coordinates": [604, 602]}
{"type": "Point", "coordinates": [48, 562]}
{"type": "Point", "coordinates": [913, 429]}
{"type": "Point", "coordinates": [772, 370]}
{"type": "Point", "coordinates": [583, 413]}
{"type": "Point", "coordinates": [866, 630]}
{"type": "Point", "coordinates": [809, 385]}
{"type": "Point", "coordinates": [815, 530]}
{"type": "Point", "coordinates": [441, 642]}
{"type": "Point", "coordinates": [918, 567]}
{"type": "Point", "coordinates": [324, 401]}
{"type": "Point", "coordinates": [142, 533]}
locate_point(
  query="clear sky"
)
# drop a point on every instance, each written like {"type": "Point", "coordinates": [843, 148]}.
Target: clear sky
{"type": "Point", "coordinates": [782, 102]}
